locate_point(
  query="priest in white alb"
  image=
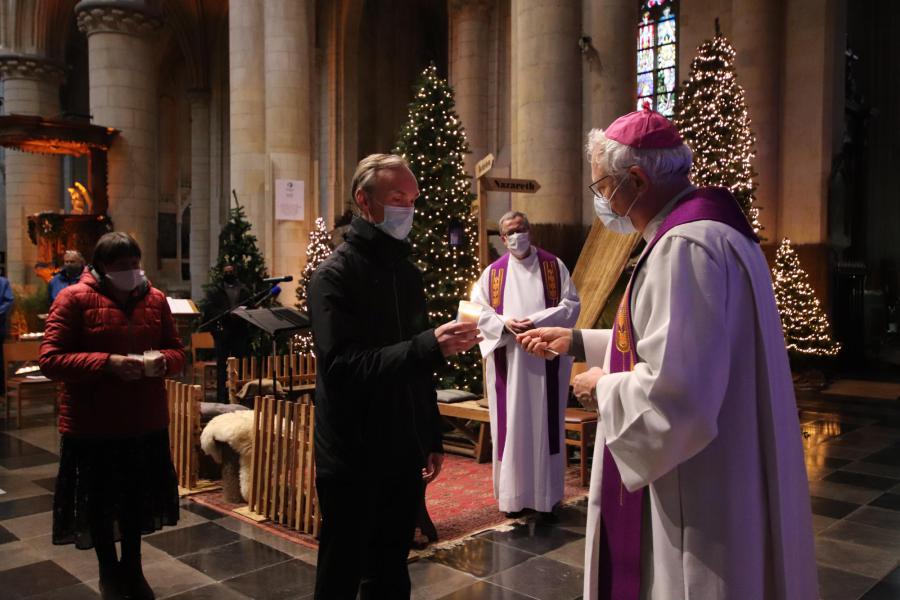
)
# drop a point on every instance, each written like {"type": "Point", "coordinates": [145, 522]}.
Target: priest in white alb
{"type": "Point", "coordinates": [698, 488]}
{"type": "Point", "coordinates": [527, 287]}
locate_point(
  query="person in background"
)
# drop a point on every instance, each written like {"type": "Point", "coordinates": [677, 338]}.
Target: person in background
{"type": "Point", "coordinates": [73, 267]}
{"type": "Point", "coordinates": [110, 339]}
{"type": "Point", "coordinates": [526, 288]}
{"type": "Point", "coordinates": [6, 304]}
{"type": "Point", "coordinates": [232, 334]}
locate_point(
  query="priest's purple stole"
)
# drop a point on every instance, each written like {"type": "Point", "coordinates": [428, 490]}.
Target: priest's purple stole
{"type": "Point", "coordinates": [550, 277]}
{"type": "Point", "coordinates": [620, 510]}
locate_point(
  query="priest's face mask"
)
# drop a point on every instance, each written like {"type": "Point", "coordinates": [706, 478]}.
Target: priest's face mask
{"type": "Point", "coordinates": [516, 236]}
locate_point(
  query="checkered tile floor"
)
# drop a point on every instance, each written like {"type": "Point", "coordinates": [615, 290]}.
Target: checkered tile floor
{"type": "Point", "coordinates": [853, 460]}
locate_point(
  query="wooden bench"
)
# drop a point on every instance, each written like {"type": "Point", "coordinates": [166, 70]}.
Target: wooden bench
{"type": "Point", "coordinates": [464, 415]}
{"type": "Point", "coordinates": [20, 388]}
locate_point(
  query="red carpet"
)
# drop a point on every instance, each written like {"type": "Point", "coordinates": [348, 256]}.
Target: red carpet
{"type": "Point", "coordinates": [461, 502]}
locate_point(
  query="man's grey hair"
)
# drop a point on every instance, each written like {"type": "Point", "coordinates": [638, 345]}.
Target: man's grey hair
{"type": "Point", "coordinates": [512, 215]}
{"type": "Point", "coordinates": [364, 178]}
{"type": "Point", "coordinates": [616, 158]}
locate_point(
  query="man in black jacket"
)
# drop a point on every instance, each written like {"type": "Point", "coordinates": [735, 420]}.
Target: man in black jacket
{"type": "Point", "coordinates": [378, 438]}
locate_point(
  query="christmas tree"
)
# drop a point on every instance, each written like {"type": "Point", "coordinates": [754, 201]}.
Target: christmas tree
{"type": "Point", "coordinates": [712, 117]}
{"type": "Point", "coordinates": [317, 250]}
{"type": "Point", "coordinates": [237, 246]}
{"type": "Point", "coordinates": [444, 234]}
{"type": "Point", "coordinates": [806, 329]}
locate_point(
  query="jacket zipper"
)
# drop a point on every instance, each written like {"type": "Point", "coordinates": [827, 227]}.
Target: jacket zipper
{"type": "Point", "coordinates": [397, 305]}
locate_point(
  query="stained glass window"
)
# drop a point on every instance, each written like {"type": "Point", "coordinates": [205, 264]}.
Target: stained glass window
{"type": "Point", "coordinates": [657, 55]}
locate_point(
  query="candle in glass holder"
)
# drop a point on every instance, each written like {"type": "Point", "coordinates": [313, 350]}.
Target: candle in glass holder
{"type": "Point", "coordinates": [468, 312]}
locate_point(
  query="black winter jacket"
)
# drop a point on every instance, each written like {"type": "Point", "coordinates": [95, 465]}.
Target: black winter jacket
{"type": "Point", "coordinates": [376, 410]}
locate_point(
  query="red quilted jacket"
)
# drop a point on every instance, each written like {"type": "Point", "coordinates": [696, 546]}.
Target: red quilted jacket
{"type": "Point", "coordinates": [85, 326]}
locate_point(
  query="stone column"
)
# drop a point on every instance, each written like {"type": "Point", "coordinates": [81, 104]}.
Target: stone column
{"type": "Point", "coordinates": [200, 190]}
{"type": "Point", "coordinates": [546, 118]}
{"type": "Point", "coordinates": [122, 59]}
{"type": "Point", "coordinates": [247, 124]}
{"type": "Point", "coordinates": [31, 87]}
{"type": "Point", "coordinates": [609, 88]}
{"type": "Point", "coordinates": [289, 61]}
{"type": "Point", "coordinates": [757, 36]}
{"type": "Point", "coordinates": [469, 69]}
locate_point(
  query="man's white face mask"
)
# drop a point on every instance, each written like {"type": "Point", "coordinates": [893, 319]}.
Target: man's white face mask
{"type": "Point", "coordinates": [611, 219]}
{"type": "Point", "coordinates": [518, 243]}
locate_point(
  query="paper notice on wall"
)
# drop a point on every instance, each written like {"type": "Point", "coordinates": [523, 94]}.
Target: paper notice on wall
{"type": "Point", "coordinates": [289, 200]}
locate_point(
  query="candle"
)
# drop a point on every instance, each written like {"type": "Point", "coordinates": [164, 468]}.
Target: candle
{"type": "Point", "coordinates": [468, 312]}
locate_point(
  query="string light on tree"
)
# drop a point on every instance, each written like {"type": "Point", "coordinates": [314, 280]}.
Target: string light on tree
{"type": "Point", "coordinates": [317, 250]}
{"type": "Point", "coordinates": [434, 143]}
{"type": "Point", "coordinates": [806, 329]}
{"type": "Point", "coordinates": [712, 116]}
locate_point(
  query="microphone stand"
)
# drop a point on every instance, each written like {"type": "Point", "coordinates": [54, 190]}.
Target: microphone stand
{"type": "Point", "coordinates": [257, 297]}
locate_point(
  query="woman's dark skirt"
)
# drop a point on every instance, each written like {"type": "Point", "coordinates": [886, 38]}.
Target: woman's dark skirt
{"type": "Point", "coordinates": [122, 483]}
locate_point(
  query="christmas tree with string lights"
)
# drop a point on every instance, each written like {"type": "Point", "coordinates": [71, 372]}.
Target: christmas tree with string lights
{"type": "Point", "coordinates": [806, 329]}
{"type": "Point", "coordinates": [712, 116]}
{"type": "Point", "coordinates": [317, 250]}
{"type": "Point", "coordinates": [444, 235]}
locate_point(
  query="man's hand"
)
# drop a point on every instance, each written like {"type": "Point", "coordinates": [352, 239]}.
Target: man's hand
{"type": "Point", "coordinates": [518, 326]}
{"type": "Point", "coordinates": [433, 467]}
{"type": "Point", "coordinates": [539, 341]}
{"type": "Point", "coordinates": [125, 367]}
{"type": "Point", "coordinates": [585, 387]}
{"type": "Point", "coordinates": [455, 337]}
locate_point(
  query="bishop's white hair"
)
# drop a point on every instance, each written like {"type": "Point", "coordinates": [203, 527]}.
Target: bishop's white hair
{"type": "Point", "coordinates": [658, 164]}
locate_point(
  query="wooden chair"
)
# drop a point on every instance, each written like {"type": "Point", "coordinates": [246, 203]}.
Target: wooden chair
{"type": "Point", "coordinates": [19, 387]}
{"type": "Point", "coordinates": [283, 476]}
{"type": "Point", "coordinates": [203, 370]}
{"type": "Point", "coordinates": [583, 425]}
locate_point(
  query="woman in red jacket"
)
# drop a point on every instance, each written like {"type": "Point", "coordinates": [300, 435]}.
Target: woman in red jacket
{"type": "Point", "coordinates": [116, 480]}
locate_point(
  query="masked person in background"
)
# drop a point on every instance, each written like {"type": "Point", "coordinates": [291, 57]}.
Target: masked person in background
{"type": "Point", "coordinates": [116, 480]}
{"type": "Point", "coordinates": [232, 334]}
{"type": "Point", "coordinates": [73, 267]}
{"type": "Point", "coordinates": [527, 288]}
{"type": "Point", "coordinates": [378, 434]}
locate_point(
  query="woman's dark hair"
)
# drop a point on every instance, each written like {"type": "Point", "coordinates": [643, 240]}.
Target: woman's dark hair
{"type": "Point", "coordinates": [113, 246]}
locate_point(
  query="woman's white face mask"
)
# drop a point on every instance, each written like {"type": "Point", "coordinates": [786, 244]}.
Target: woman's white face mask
{"type": "Point", "coordinates": [126, 281]}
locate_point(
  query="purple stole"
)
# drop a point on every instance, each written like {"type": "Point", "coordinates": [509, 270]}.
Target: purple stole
{"type": "Point", "coordinates": [552, 292]}
{"type": "Point", "coordinates": [621, 510]}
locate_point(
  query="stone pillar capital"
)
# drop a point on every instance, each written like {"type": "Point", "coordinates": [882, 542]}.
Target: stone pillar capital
{"type": "Point", "coordinates": [470, 5]}
{"type": "Point", "coordinates": [116, 16]}
{"type": "Point", "coordinates": [22, 66]}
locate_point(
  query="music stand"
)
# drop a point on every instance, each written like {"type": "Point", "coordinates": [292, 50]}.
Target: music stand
{"type": "Point", "coordinates": [275, 321]}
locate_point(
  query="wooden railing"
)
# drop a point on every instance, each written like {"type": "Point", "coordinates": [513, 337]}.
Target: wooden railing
{"type": "Point", "coordinates": [184, 431]}
{"type": "Point", "coordinates": [283, 480]}
{"type": "Point", "coordinates": [301, 368]}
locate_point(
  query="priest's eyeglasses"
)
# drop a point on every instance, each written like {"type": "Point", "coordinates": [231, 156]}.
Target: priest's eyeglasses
{"type": "Point", "coordinates": [595, 187]}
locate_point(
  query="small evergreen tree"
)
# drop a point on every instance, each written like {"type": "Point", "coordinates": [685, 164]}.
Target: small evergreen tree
{"type": "Point", "coordinates": [434, 143]}
{"type": "Point", "coordinates": [712, 116]}
{"type": "Point", "coordinates": [806, 329]}
{"type": "Point", "coordinates": [237, 246]}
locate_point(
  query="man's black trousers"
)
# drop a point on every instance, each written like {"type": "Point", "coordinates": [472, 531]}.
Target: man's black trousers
{"type": "Point", "coordinates": [367, 530]}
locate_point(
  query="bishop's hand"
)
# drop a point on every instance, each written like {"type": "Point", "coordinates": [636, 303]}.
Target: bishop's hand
{"type": "Point", "coordinates": [546, 342]}
{"type": "Point", "coordinates": [584, 387]}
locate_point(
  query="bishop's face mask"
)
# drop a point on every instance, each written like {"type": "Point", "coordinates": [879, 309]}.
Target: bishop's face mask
{"type": "Point", "coordinates": [611, 219]}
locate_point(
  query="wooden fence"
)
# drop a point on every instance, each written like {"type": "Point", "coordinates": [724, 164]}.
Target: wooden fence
{"type": "Point", "coordinates": [283, 480]}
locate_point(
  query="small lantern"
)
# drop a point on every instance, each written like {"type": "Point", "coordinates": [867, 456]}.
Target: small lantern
{"type": "Point", "coordinates": [455, 233]}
